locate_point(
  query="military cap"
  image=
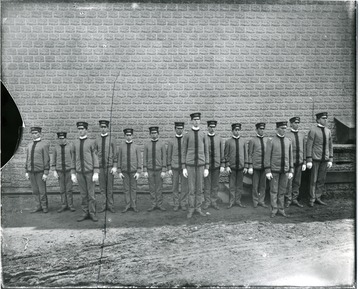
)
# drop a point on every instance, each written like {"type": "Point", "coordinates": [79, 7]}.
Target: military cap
{"type": "Point", "coordinates": [212, 123]}
{"type": "Point", "coordinates": [128, 131]}
{"type": "Point", "coordinates": [295, 118]}
{"type": "Point", "coordinates": [281, 123]}
{"type": "Point", "coordinates": [195, 115]}
{"type": "Point", "coordinates": [82, 124]}
{"type": "Point", "coordinates": [61, 134]}
{"type": "Point", "coordinates": [260, 125]}
{"type": "Point", "coordinates": [179, 124]}
{"type": "Point", "coordinates": [35, 128]}
{"type": "Point", "coordinates": [235, 125]}
{"type": "Point", "coordinates": [321, 114]}
{"type": "Point", "coordinates": [154, 129]}
{"type": "Point", "coordinates": [104, 122]}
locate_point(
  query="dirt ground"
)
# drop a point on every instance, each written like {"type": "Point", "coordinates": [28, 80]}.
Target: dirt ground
{"type": "Point", "coordinates": [240, 246]}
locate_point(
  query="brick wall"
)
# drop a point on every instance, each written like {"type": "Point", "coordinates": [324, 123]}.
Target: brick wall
{"type": "Point", "coordinates": [154, 63]}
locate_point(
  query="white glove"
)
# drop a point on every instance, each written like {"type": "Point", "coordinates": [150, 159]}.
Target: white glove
{"type": "Point", "coordinates": [269, 176]}
{"type": "Point", "coordinates": [146, 174]}
{"type": "Point", "coordinates": [27, 176]}
{"type": "Point", "coordinates": [206, 173]}
{"type": "Point", "coordinates": [95, 177]}
{"type": "Point", "coordinates": [113, 171]}
{"type": "Point", "coordinates": [73, 178]}
{"type": "Point", "coordinates": [44, 177]}
{"type": "Point", "coordinates": [170, 173]}
{"type": "Point", "coordinates": [56, 175]}
{"type": "Point", "coordinates": [290, 176]}
{"type": "Point", "coordinates": [162, 175]}
{"type": "Point", "coordinates": [251, 171]}
{"type": "Point", "coordinates": [136, 176]}
{"type": "Point", "coordinates": [309, 165]}
{"type": "Point", "coordinates": [121, 176]}
{"type": "Point", "coordinates": [303, 168]}
{"type": "Point", "coordinates": [222, 169]}
{"type": "Point", "coordinates": [245, 170]}
{"type": "Point", "coordinates": [228, 170]}
{"type": "Point", "coordinates": [329, 165]}
{"type": "Point", "coordinates": [185, 173]}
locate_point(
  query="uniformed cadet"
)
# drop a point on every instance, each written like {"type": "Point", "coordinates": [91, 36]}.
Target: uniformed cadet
{"type": "Point", "coordinates": [279, 167]}
{"type": "Point", "coordinates": [129, 166]}
{"type": "Point", "coordinates": [257, 147]}
{"type": "Point", "coordinates": [86, 164]}
{"type": "Point", "coordinates": [62, 162]}
{"type": "Point", "coordinates": [37, 168]}
{"type": "Point", "coordinates": [174, 151]}
{"type": "Point", "coordinates": [298, 141]}
{"type": "Point", "coordinates": [236, 158]}
{"type": "Point", "coordinates": [155, 167]}
{"type": "Point", "coordinates": [105, 144]}
{"type": "Point", "coordinates": [195, 164]}
{"type": "Point", "coordinates": [319, 151]}
{"type": "Point", "coordinates": [216, 166]}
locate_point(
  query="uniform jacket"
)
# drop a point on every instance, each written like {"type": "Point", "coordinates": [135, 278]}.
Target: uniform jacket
{"type": "Point", "coordinates": [88, 162]}
{"type": "Point", "coordinates": [63, 162]}
{"type": "Point", "coordinates": [129, 158]}
{"type": "Point", "coordinates": [216, 155]}
{"type": "Point", "coordinates": [279, 155]}
{"type": "Point", "coordinates": [155, 156]}
{"type": "Point", "coordinates": [174, 151]}
{"type": "Point", "coordinates": [257, 148]}
{"type": "Point", "coordinates": [196, 150]}
{"type": "Point", "coordinates": [37, 157]}
{"type": "Point", "coordinates": [319, 145]}
{"type": "Point", "coordinates": [236, 153]}
{"type": "Point", "coordinates": [298, 140]}
{"type": "Point", "coordinates": [108, 154]}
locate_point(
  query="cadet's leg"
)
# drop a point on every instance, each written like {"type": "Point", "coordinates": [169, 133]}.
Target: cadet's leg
{"type": "Point", "coordinates": [191, 183]}
{"type": "Point", "coordinates": [283, 179]}
{"type": "Point", "coordinates": [262, 187]}
{"type": "Point", "coordinates": [232, 188]}
{"type": "Point", "coordinates": [42, 190]}
{"type": "Point", "coordinates": [127, 193]}
{"type": "Point", "coordinates": [215, 176]}
{"type": "Point", "coordinates": [83, 193]}
{"type": "Point", "coordinates": [274, 189]}
{"type": "Point", "coordinates": [255, 186]}
{"type": "Point", "coordinates": [199, 187]}
{"type": "Point", "coordinates": [91, 195]}
{"type": "Point", "coordinates": [36, 192]}
{"type": "Point", "coordinates": [159, 187]}
{"type": "Point", "coordinates": [320, 185]}
{"type": "Point", "coordinates": [109, 193]}
{"type": "Point", "coordinates": [184, 191]}
{"type": "Point", "coordinates": [152, 189]}
{"type": "Point", "coordinates": [313, 181]}
{"type": "Point", "coordinates": [207, 189]}
{"type": "Point", "coordinates": [175, 188]}
{"type": "Point", "coordinates": [102, 187]}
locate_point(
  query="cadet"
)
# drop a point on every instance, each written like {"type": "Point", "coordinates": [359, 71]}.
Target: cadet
{"type": "Point", "coordinates": [236, 157]}
{"type": "Point", "coordinates": [174, 152]}
{"type": "Point", "coordinates": [257, 147]}
{"type": "Point", "coordinates": [155, 167]}
{"type": "Point", "coordinates": [298, 141]}
{"type": "Point", "coordinates": [129, 165]}
{"type": "Point", "coordinates": [86, 164]}
{"type": "Point", "coordinates": [37, 168]}
{"type": "Point", "coordinates": [62, 163]}
{"type": "Point", "coordinates": [216, 166]}
{"type": "Point", "coordinates": [279, 167]}
{"type": "Point", "coordinates": [319, 151]}
{"type": "Point", "coordinates": [105, 145]}
{"type": "Point", "coordinates": [195, 163]}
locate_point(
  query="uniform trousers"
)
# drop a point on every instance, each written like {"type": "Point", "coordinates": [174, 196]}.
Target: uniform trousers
{"type": "Point", "coordinates": [211, 187]}
{"type": "Point", "coordinates": [87, 193]}
{"type": "Point", "coordinates": [258, 186]}
{"type": "Point", "coordinates": [278, 186]}
{"type": "Point", "coordinates": [292, 191]}
{"type": "Point", "coordinates": [66, 189]}
{"type": "Point", "coordinates": [130, 190]}
{"type": "Point", "coordinates": [106, 184]}
{"type": "Point", "coordinates": [195, 181]}
{"type": "Point", "coordinates": [317, 180]}
{"type": "Point", "coordinates": [155, 187]}
{"type": "Point", "coordinates": [180, 196]}
{"type": "Point", "coordinates": [236, 185]}
{"type": "Point", "coordinates": [39, 190]}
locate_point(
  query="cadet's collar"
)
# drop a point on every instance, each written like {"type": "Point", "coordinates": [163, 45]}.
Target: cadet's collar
{"type": "Point", "coordinates": [261, 136]}
{"type": "Point", "coordinates": [154, 140]}
{"type": "Point", "coordinates": [83, 137]}
{"type": "Point", "coordinates": [294, 130]}
{"type": "Point", "coordinates": [281, 136]}
{"type": "Point", "coordinates": [211, 134]}
{"type": "Point", "coordinates": [236, 137]}
{"type": "Point", "coordinates": [128, 141]}
{"type": "Point", "coordinates": [179, 135]}
{"type": "Point", "coordinates": [38, 139]}
{"type": "Point", "coordinates": [195, 128]}
{"type": "Point", "coordinates": [104, 135]}
{"type": "Point", "coordinates": [320, 125]}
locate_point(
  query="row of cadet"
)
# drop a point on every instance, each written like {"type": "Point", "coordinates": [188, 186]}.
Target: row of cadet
{"type": "Point", "coordinates": [194, 160]}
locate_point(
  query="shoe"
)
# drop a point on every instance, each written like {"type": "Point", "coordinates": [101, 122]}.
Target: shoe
{"type": "Point", "coordinates": [263, 205]}
{"type": "Point", "coordinates": [311, 204]}
{"type": "Point", "coordinates": [111, 210]}
{"type": "Point", "coordinates": [93, 218]}
{"type": "Point", "coordinates": [45, 210]}
{"type": "Point", "coordinates": [255, 205]}
{"type": "Point", "coordinates": [36, 210]}
{"type": "Point", "coordinates": [102, 210]}
{"type": "Point", "coordinates": [176, 208]}
{"type": "Point", "coordinates": [216, 207]}
{"type": "Point", "coordinates": [62, 209]}
{"type": "Point", "coordinates": [296, 203]}
{"type": "Point", "coordinates": [183, 208]}
{"type": "Point", "coordinates": [282, 213]}
{"type": "Point", "coordinates": [287, 204]}
{"type": "Point", "coordinates": [151, 209]}
{"type": "Point", "coordinates": [201, 213]}
{"type": "Point", "coordinates": [161, 208]}
{"type": "Point", "coordinates": [320, 202]}
{"type": "Point", "coordinates": [189, 215]}
{"type": "Point", "coordinates": [240, 205]}
{"type": "Point", "coordinates": [272, 215]}
{"type": "Point", "coordinates": [230, 205]}
{"type": "Point", "coordinates": [82, 218]}
{"type": "Point", "coordinates": [206, 206]}
{"type": "Point", "coordinates": [125, 210]}
{"type": "Point", "coordinates": [135, 210]}
{"type": "Point", "coordinates": [72, 209]}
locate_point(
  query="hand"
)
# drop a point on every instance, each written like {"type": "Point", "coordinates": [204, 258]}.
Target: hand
{"type": "Point", "coordinates": [206, 173]}
{"type": "Point", "coordinates": [290, 176]}
{"type": "Point", "coordinates": [303, 168]}
{"type": "Point", "coordinates": [185, 173]}
{"type": "Point", "coordinates": [251, 171]}
{"type": "Point", "coordinates": [162, 175]}
{"type": "Point", "coordinates": [56, 175]}
{"type": "Point", "coordinates": [329, 165]}
{"type": "Point", "coordinates": [136, 176]}
{"type": "Point", "coordinates": [113, 171]}
{"type": "Point", "coordinates": [245, 170]}
{"type": "Point", "coordinates": [269, 176]}
{"type": "Point", "coordinates": [121, 176]}
{"type": "Point", "coordinates": [27, 176]}
{"type": "Point", "coordinates": [309, 165]}
{"type": "Point", "coordinates": [222, 169]}
{"type": "Point", "coordinates": [170, 173]}
{"type": "Point", "coordinates": [95, 177]}
{"type": "Point", "coordinates": [146, 174]}
{"type": "Point", "coordinates": [44, 177]}
{"type": "Point", "coordinates": [228, 170]}
{"type": "Point", "coordinates": [73, 178]}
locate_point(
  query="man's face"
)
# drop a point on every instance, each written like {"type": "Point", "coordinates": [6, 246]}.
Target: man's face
{"type": "Point", "coordinates": [236, 131]}
{"type": "Point", "coordinates": [179, 130]}
{"type": "Point", "coordinates": [260, 131]}
{"type": "Point", "coordinates": [196, 121]}
{"type": "Point", "coordinates": [295, 125]}
{"type": "Point", "coordinates": [281, 130]}
{"type": "Point", "coordinates": [104, 129]}
{"type": "Point", "coordinates": [35, 134]}
{"type": "Point", "coordinates": [62, 141]}
{"type": "Point", "coordinates": [128, 137]}
{"type": "Point", "coordinates": [82, 131]}
{"type": "Point", "coordinates": [322, 120]}
{"type": "Point", "coordinates": [211, 129]}
{"type": "Point", "coordinates": [154, 135]}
